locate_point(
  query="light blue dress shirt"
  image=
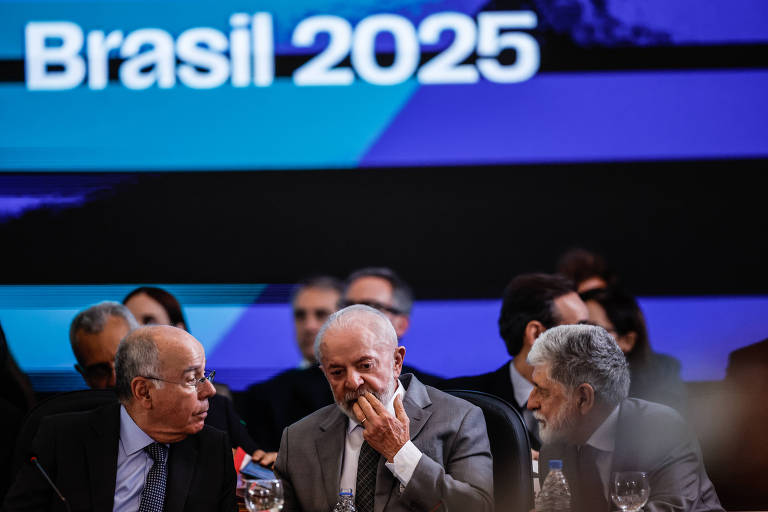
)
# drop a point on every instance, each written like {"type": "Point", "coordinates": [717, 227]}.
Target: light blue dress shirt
{"type": "Point", "coordinates": [133, 464]}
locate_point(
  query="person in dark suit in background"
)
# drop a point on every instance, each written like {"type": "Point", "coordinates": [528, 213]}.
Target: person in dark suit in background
{"type": "Point", "coordinates": [155, 306]}
{"type": "Point", "coordinates": [150, 451]}
{"type": "Point", "coordinates": [532, 303]}
{"type": "Point", "coordinates": [655, 377]}
{"type": "Point", "coordinates": [581, 381]}
{"type": "Point", "coordinates": [16, 398]}
{"type": "Point", "coordinates": [270, 406]}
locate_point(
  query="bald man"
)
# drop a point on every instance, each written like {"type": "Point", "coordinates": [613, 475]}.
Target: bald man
{"type": "Point", "coordinates": [151, 450]}
{"type": "Point", "coordinates": [422, 449]}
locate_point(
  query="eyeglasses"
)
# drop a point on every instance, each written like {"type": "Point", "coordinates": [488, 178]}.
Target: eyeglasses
{"type": "Point", "coordinates": [372, 303]}
{"type": "Point", "coordinates": [97, 370]}
{"type": "Point", "coordinates": [195, 383]}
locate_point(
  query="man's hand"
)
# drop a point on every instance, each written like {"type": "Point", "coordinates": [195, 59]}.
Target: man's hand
{"type": "Point", "coordinates": [266, 459]}
{"type": "Point", "coordinates": [385, 433]}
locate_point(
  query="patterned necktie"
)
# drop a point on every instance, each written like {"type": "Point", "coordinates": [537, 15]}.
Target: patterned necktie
{"type": "Point", "coordinates": [153, 495]}
{"type": "Point", "coordinates": [367, 465]}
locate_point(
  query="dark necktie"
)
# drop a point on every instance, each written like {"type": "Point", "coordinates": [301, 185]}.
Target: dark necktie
{"type": "Point", "coordinates": [367, 465]}
{"type": "Point", "coordinates": [590, 486]}
{"type": "Point", "coordinates": [153, 495]}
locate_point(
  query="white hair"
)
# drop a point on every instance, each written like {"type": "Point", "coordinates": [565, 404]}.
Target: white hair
{"type": "Point", "coordinates": [578, 354]}
{"type": "Point", "coordinates": [353, 316]}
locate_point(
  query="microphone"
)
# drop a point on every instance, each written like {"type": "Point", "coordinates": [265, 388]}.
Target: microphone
{"type": "Point", "coordinates": [50, 482]}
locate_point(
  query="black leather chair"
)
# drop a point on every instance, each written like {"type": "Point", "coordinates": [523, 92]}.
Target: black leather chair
{"type": "Point", "coordinates": [512, 472]}
{"type": "Point", "coordinates": [73, 401]}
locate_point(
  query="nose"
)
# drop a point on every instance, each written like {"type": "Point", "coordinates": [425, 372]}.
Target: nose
{"type": "Point", "coordinates": [206, 389]}
{"type": "Point", "coordinates": [353, 380]}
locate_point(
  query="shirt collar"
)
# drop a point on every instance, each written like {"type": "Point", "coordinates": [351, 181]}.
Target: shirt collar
{"type": "Point", "coordinates": [604, 437]}
{"type": "Point", "coordinates": [389, 406]}
{"type": "Point", "coordinates": [520, 385]}
{"type": "Point", "coordinates": [132, 437]}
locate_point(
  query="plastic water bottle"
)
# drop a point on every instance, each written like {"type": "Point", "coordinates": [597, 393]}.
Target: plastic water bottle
{"type": "Point", "coordinates": [554, 496]}
{"type": "Point", "coordinates": [346, 501]}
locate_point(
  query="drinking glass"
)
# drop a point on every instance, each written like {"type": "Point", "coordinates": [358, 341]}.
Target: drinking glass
{"type": "Point", "coordinates": [263, 495]}
{"type": "Point", "coordinates": [630, 490]}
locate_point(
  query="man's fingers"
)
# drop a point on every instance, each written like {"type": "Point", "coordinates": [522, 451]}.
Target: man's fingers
{"type": "Point", "coordinates": [268, 459]}
{"type": "Point", "coordinates": [377, 406]}
{"type": "Point", "coordinates": [359, 414]}
{"type": "Point", "coordinates": [400, 410]}
{"type": "Point", "coordinates": [258, 455]}
{"type": "Point", "coordinates": [365, 405]}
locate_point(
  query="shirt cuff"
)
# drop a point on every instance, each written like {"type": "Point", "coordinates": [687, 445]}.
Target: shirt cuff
{"type": "Point", "coordinates": [405, 462]}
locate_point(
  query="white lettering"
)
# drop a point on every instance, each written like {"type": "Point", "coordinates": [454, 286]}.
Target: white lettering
{"type": "Point", "coordinates": [98, 48]}
{"type": "Point", "coordinates": [240, 49]}
{"type": "Point", "coordinates": [38, 56]}
{"type": "Point", "coordinates": [209, 57]}
{"type": "Point", "coordinates": [160, 58]}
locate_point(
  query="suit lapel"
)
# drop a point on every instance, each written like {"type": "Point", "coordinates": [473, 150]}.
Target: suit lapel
{"type": "Point", "coordinates": [182, 461]}
{"type": "Point", "coordinates": [101, 452]}
{"type": "Point", "coordinates": [330, 449]}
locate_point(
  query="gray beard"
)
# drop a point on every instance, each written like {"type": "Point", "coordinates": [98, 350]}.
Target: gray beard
{"type": "Point", "coordinates": [351, 397]}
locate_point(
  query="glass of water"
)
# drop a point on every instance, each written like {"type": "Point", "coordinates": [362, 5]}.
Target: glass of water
{"type": "Point", "coordinates": [263, 495]}
{"type": "Point", "coordinates": [630, 490]}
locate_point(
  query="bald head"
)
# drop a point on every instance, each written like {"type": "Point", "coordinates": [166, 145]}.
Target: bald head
{"type": "Point", "coordinates": [355, 317]}
{"type": "Point", "coordinates": [146, 351]}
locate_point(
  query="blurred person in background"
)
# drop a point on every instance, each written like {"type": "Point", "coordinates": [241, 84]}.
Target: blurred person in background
{"type": "Point", "coordinates": [94, 335]}
{"type": "Point", "coordinates": [587, 270]}
{"type": "Point", "coordinates": [383, 289]}
{"type": "Point", "coordinates": [155, 306]}
{"type": "Point", "coordinates": [16, 399]}
{"type": "Point", "coordinates": [270, 406]}
{"type": "Point", "coordinates": [655, 377]}
{"type": "Point", "coordinates": [532, 303]}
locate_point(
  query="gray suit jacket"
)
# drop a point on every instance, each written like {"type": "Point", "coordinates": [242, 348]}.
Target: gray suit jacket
{"type": "Point", "coordinates": [653, 438]}
{"type": "Point", "coordinates": [455, 472]}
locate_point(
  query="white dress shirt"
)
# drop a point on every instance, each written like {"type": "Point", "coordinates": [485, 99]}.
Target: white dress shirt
{"type": "Point", "coordinates": [604, 440]}
{"type": "Point", "coordinates": [133, 464]}
{"type": "Point", "coordinates": [405, 460]}
{"type": "Point", "coordinates": [520, 385]}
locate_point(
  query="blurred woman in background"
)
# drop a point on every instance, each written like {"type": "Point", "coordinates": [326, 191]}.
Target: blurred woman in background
{"type": "Point", "coordinates": [654, 377]}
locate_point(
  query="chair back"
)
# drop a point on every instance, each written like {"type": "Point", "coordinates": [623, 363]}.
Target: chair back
{"type": "Point", "coordinates": [72, 401]}
{"type": "Point", "coordinates": [511, 450]}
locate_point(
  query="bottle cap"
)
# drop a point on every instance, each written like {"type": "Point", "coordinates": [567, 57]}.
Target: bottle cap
{"type": "Point", "coordinates": [555, 464]}
{"type": "Point", "coordinates": [345, 492]}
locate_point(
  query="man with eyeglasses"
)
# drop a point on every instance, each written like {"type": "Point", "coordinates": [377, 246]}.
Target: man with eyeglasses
{"type": "Point", "coordinates": [383, 289]}
{"type": "Point", "coordinates": [149, 452]}
{"type": "Point", "coordinates": [94, 335]}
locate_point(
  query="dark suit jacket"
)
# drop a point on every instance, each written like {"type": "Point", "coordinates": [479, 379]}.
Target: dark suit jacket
{"type": "Point", "coordinates": [653, 438]}
{"type": "Point", "coordinates": [222, 415]}
{"type": "Point", "coordinates": [659, 381]}
{"type": "Point", "coordinates": [454, 473]}
{"type": "Point", "coordinates": [498, 383]}
{"type": "Point", "coordinates": [79, 452]}
{"type": "Point", "coordinates": [748, 366]}
{"type": "Point", "coordinates": [270, 406]}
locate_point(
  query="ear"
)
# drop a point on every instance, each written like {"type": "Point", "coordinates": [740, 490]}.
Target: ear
{"type": "Point", "coordinates": [399, 356]}
{"type": "Point", "coordinates": [401, 323]}
{"type": "Point", "coordinates": [585, 398]}
{"type": "Point", "coordinates": [142, 392]}
{"type": "Point", "coordinates": [533, 330]}
{"type": "Point", "coordinates": [627, 341]}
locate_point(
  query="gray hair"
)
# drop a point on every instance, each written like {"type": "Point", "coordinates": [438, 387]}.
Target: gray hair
{"type": "Point", "coordinates": [353, 316]}
{"type": "Point", "coordinates": [137, 356]}
{"type": "Point", "coordinates": [93, 320]}
{"type": "Point", "coordinates": [580, 354]}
